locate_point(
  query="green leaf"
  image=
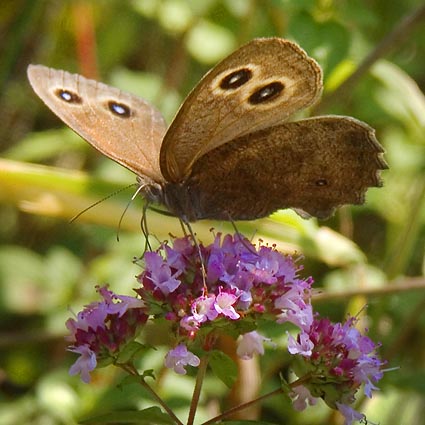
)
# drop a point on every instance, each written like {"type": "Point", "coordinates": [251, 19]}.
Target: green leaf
{"type": "Point", "coordinates": [327, 41]}
{"type": "Point", "coordinates": [104, 361]}
{"type": "Point", "coordinates": [224, 368]}
{"type": "Point", "coordinates": [130, 351]}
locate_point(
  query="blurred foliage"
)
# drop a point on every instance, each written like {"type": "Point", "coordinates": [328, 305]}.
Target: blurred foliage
{"type": "Point", "coordinates": [159, 49]}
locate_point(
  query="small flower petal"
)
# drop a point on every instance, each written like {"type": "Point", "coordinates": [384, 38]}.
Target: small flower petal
{"type": "Point", "coordinates": [160, 273]}
{"type": "Point", "coordinates": [303, 345]}
{"type": "Point", "coordinates": [179, 357]}
{"type": "Point", "coordinates": [301, 398]}
{"type": "Point", "coordinates": [84, 364]}
{"type": "Point", "coordinates": [349, 414]}
{"type": "Point", "coordinates": [223, 305]}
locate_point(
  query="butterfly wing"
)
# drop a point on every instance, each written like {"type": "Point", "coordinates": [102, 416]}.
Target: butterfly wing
{"type": "Point", "coordinates": [120, 125]}
{"type": "Point", "coordinates": [259, 85]}
{"type": "Point", "coordinates": [312, 166]}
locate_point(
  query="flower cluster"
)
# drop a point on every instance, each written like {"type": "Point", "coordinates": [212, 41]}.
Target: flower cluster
{"type": "Point", "coordinates": [103, 328]}
{"type": "Point", "coordinates": [338, 354]}
{"type": "Point", "coordinates": [239, 282]}
{"type": "Point", "coordinates": [228, 286]}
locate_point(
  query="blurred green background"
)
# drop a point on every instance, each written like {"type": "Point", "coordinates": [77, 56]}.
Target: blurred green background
{"type": "Point", "coordinates": [371, 254]}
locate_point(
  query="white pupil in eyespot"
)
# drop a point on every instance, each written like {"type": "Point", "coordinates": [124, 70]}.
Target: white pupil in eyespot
{"type": "Point", "coordinates": [235, 78]}
{"type": "Point", "coordinates": [267, 91]}
{"type": "Point", "coordinates": [119, 109]}
{"type": "Point", "coordinates": [66, 96]}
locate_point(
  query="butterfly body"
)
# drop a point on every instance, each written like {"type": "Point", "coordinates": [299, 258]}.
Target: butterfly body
{"type": "Point", "coordinates": [229, 153]}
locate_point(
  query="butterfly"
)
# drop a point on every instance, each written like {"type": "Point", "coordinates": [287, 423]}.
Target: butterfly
{"type": "Point", "coordinates": [230, 153]}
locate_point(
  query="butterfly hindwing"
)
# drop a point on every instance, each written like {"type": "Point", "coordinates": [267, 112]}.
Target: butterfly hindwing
{"type": "Point", "coordinates": [313, 166]}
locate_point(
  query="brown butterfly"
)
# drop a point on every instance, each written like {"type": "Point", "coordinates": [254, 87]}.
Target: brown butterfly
{"type": "Point", "coordinates": [229, 153]}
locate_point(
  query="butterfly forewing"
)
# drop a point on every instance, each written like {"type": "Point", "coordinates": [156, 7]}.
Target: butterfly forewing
{"type": "Point", "coordinates": [259, 85]}
{"type": "Point", "coordinates": [120, 125]}
{"type": "Point", "coordinates": [313, 165]}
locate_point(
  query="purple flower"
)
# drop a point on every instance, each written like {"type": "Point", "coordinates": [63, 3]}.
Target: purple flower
{"type": "Point", "coordinates": [350, 415]}
{"type": "Point", "coordinates": [294, 308]}
{"type": "Point", "coordinates": [102, 328]}
{"type": "Point", "coordinates": [160, 273]}
{"type": "Point", "coordinates": [203, 308]}
{"type": "Point", "coordinates": [301, 398]}
{"type": "Point", "coordinates": [266, 268]}
{"type": "Point", "coordinates": [242, 280]}
{"type": "Point", "coordinates": [336, 360]}
{"type": "Point", "coordinates": [84, 364]}
{"type": "Point", "coordinates": [302, 345]}
{"type": "Point", "coordinates": [179, 357]}
{"type": "Point", "coordinates": [177, 255]}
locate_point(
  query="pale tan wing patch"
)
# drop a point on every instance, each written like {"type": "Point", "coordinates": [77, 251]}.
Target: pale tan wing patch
{"type": "Point", "coordinates": [259, 85]}
{"type": "Point", "coordinates": [122, 126]}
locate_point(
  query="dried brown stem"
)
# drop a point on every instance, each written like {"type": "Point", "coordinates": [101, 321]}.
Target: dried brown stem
{"type": "Point", "coordinates": [403, 285]}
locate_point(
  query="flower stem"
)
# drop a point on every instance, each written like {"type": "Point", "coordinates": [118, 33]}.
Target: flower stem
{"type": "Point", "coordinates": [197, 390]}
{"type": "Point", "coordinates": [242, 406]}
{"type": "Point", "coordinates": [256, 400]}
{"type": "Point", "coordinates": [132, 371]}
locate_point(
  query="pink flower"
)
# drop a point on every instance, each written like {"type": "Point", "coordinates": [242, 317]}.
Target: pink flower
{"type": "Point", "coordinates": [224, 305]}
{"type": "Point", "coordinates": [190, 323]}
{"type": "Point", "coordinates": [179, 357]}
{"type": "Point", "coordinates": [203, 308]}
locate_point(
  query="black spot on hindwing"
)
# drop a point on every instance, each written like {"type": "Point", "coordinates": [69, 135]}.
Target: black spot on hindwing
{"type": "Point", "coordinates": [321, 182]}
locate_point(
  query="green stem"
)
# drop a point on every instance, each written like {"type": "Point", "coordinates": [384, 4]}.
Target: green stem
{"type": "Point", "coordinates": [133, 371]}
{"type": "Point", "coordinates": [197, 390]}
{"type": "Point", "coordinates": [243, 406]}
{"type": "Point", "coordinates": [257, 400]}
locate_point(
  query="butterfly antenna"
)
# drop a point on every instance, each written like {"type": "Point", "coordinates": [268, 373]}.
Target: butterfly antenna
{"type": "Point", "coordinates": [192, 234]}
{"type": "Point", "coordinates": [145, 231]}
{"type": "Point", "coordinates": [139, 189]}
{"type": "Point", "coordinates": [182, 224]}
{"type": "Point", "coordinates": [99, 202]}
